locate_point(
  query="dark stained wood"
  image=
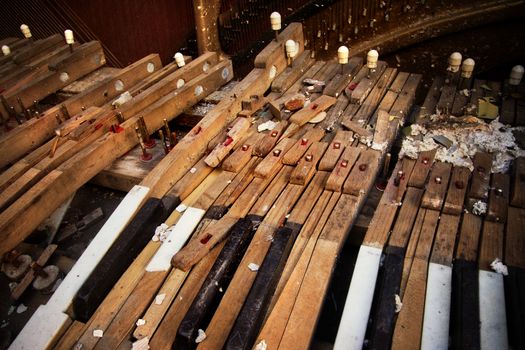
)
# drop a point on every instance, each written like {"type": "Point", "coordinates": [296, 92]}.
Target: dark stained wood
{"type": "Point", "coordinates": [336, 86]}
{"type": "Point", "coordinates": [443, 249]}
{"type": "Point", "coordinates": [437, 186]}
{"type": "Point", "coordinates": [498, 198]}
{"type": "Point", "coordinates": [363, 173]}
{"type": "Point", "coordinates": [334, 150]}
{"type": "Point", "coordinates": [515, 238]}
{"type": "Point", "coordinates": [342, 169]}
{"type": "Point", "coordinates": [468, 241]}
{"type": "Point", "coordinates": [518, 183]}
{"type": "Point", "coordinates": [407, 214]}
{"type": "Point", "coordinates": [456, 191]}
{"type": "Point", "coordinates": [307, 165]}
{"type": "Point", "coordinates": [479, 185]}
{"type": "Point", "coordinates": [422, 168]}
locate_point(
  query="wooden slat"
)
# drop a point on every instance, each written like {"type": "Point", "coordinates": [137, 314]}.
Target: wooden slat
{"type": "Point", "coordinates": [469, 235]}
{"type": "Point", "coordinates": [429, 105]}
{"type": "Point", "coordinates": [444, 104]}
{"type": "Point", "coordinates": [491, 246]}
{"type": "Point", "coordinates": [299, 66]}
{"type": "Point", "coordinates": [265, 144]}
{"type": "Point", "coordinates": [307, 165]}
{"type": "Point", "coordinates": [456, 191]}
{"type": "Point", "coordinates": [342, 169]}
{"type": "Point", "coordinates": [242, 155]}
{"type": "Point", "coordinates": [407, 214]}
{"type": "Point", "coordinates": [366, 84]}
{"type": "Point", "coordinates": [341, 140]}
{"type": "Point", "coordinates": [384, 215]}
{"type": "Point", "coordinates": [515, 238]}
{"type": "Point", "coordinates": [315, 107]}
{"type": "Point", "coordinates": [363, 173]}
{"type": "Point", "coordinates": [443, 249]}
{"type": "Point", "coordinates": [518, 183]}
{"type": "Point", "coordinates": [437, 186]}
{"type": "Point", "coordinates": [479, 185]}
{"type": "Point", "coordinates": [296, 152]}
{"type": "Point", "coordinates": [419, 175]}
{"type": "Point", "coordinates": [273, 159]}
{"type": "Point", "coordinates": [498, 198]}
{"type": "Point", "coordinates": [336, 85]}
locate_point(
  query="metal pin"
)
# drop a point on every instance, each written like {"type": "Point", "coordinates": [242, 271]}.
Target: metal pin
{"type": "Point", "coordinates": [54, 147]}
{"type": "Point", "coordinates": [145, 155]}
{"type": "Point", "coordinates": [438, 180]}
{"type": "Point", "coordinates": [274, 133]}
{"type": "Point", "coordinates": [344, 163]}
{"type": "Point", "coordinates": [304, 141]}
{"type": "Point", "coordinates": [337, 145]}
{"type": "Point", "coordinates": [65, 112]}
{"type": "Point", "coordinates": [163, 141]}
{"type": "Point", "coordinates": [309, 157]}
{"type": "Point", "coordinates": [120, 117]}
{"type": "Point", "coordinates": [245, 147]}
{"type": "Point", "coordinates": [277, 152]}
{"type": "Point", "coordinates": [148, 141]}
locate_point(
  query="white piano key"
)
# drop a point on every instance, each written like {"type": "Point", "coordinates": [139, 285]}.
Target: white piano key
{"type": "Point", "coordinates": [492, 315]}
{"type": "Point", "coordinates": [437, 307]}
{"type": "Point", "coordinates": [352, 328]}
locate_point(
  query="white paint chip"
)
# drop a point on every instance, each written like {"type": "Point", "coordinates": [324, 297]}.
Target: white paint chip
{"type": "Point", "coordinates": [193, 170]}
{"type": "Point", "coordinates": [21, 309]}
{"type": "Point", "coordinates": [140, 322]}
{"type": "Point", "coordinates": [479, 208]}
{"type": "Point", "coordinates": [261, 345]}
{"type": "Point", "coordinates": [200, 337]}
{"type": "Point", "coordinates": [160, 298]}
{"type": "Point", "coordinates": [253, 266]}
{"type": "Point", "coordinates": [499, 267]}
{"type": "Point", "coordinates": [399, 304]}
{"type": "Point", "coordinates": [98, 333]}
{"type": "Point", "coordinates": [269, 125]}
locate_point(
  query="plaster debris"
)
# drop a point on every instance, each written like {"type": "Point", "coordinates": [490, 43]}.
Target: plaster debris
{"type": "Point", "coordinates": [160, 298]}
{"type": "Point", "coordinates": [98, 333]}
{"type": "Point", "coordinates": [11, 310]}
{"type": "Point", "coordinates": [318, 118]}
{"type": "Point", "coordinates": [200, 337]}
{"type": "Point", "coordinates": [140, 322]}
{"type": "Point", "coordinates": [181, 208]}
{"type": "Point", "coordinates": [220, 289]}
{"type": "Point", "coordinates": [499, 267]}
{"type": "Point", "coordinates": [253, 266]}
{"type": "Point", "coordinates": [193, 170]}
{"type": "Point", "coordinates": [379, 146]}
{"type": "Point", "coordinates": [141, 344]}
{"type": "Point", "coordinates": [21, 309]}
{"type": "Point", "coordinates": [161, 233]}
{"type": "Point", "coordinates": [468, 135]}
{"type": "Point", "coordinates": [261, 345]}
{"type": "Point", "coordinates": [269, 125]}
{"type": "Point", "coordinates": [479, 208]}
{"type": "Point", "coordinates": [399, 304]}
{"type": "Point", "coordinates": [123, 98]}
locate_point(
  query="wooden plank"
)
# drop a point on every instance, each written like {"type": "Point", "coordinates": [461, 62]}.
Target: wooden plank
{"type": "Point", "coordinates": [222, 321]}
{"type": "Point", "coordinates": [234, 135]}
{"type": "Point", "coordinates": [363, 173]}
{"type": "Point", "coordinates": [461, 99]}
{"type": "Point", "coordinates": [317, 106]}
{"type": "Point", "coordinates": [336, 85]}
{"type": "Point", "coordinates": [498, 198]}
{"type": "Point", "coordinates": [274, 327]}
{"type": "Point", "coordinates": [437, 186]}
{"type": "Point", "coordinates": [456, 191]}
{"type": "Point", "coordinates": [339, 174]}
{"type": "Point", "coordinates": [341, 140]}
{"type": "Point", "coordinates": [299, 66]}
{"type": "Point", "coordinates": [242, 155]}
{"type": "Point", "coordinates": [443, 249]}
{"type": "Point", "coordinates": [518, 183]}
{"type": "Point", "coordinates": [309, 300]}
{"type": "Point", "coordinates": [515, 238]}
{"type": "Point", "coordinates": [508, 110]}
{"type": "Point", "coordinates": [209, 294]}
{"type": "Point", "coordinates": [38, 130]}
{"type": "Point", "coordinates": [307, 165]}
{"type": "Point", "coordinates": [467, 248]}
{"type": "Point", "coordinates": [332, 122]}
{"type": "Point", "coordinates": [491, 246]}
{"type": "Point", "coordinates": [407, 214]}
{"type": "Point", "coordinates": [70, 337]}
{"type": "Point", "coordinates": [475, 94]}
{"type": "Point", "coordinates": [364, 86]}
{"type": "Point", "coordinates": [296, 152]}
{"type": "Point", "coordinates": [263, 147]}
{"type": "Point", "coordinates": [429, 105]}
{"type": "Point", "coordinates": [419, 175]}
{"type": "Point", "coordinates": [377, 233]}
{"type": "Point", "coordinates": [273, 160]}
{"type": "Point", "coordinates": [269, 196]}
{"type": "Point", "coordinates": [479, 185]}
{"type": "Point", "coordinates": [444, 104]}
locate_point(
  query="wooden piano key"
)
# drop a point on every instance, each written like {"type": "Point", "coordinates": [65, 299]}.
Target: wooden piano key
{"type": "Point", "coordinates": [315, 107]}
{"type": "Point", "coordinates": [265, 144]}
{"type": "Point", "coordinates": [446, 99]}
{"type": "Point", "coordinates": [367, 83]}
{"type": "Point", "coordinates": [336, 86]}
{"type": "Point", "coordinates": [421, 169]}
{"type": "Point", "coordinates": [437, 186]}
{"type": "Point", "coordinates": [294, 154]}
{"type": "Point", "coordinates": [307, 165]}
{"type": "Point", "coordinates": [405, 219]}
{"type": "Point", "coordinates": [363, 173]}
{"type": "Point", "coordinates": [518, 183]}
{"type": "Point", "coordinates": [274, 159]}
{"type": "Point", "coordinates": [479, 185]}
{"type": "Point", "coordinates": [233, 136]}
{"type": "Point", "coordinates": [498, 198]}
{"type": "Point", "coordinates": [456, 191]}
{"type": "Point", "coordinates": [341, 140]}
{"type": "Point", "coordinates": [342, 169]}
{"type": "Point", "coordinates": [242, 155]}
{"type": "Point", "coordinates": [286, 79]}
{"type": "Point", "coordinates": [429, 105]}
{"type": "Point", "coordinates": [515, 238]}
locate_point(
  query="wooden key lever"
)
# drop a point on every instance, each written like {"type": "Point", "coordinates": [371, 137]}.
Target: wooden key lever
{"type": "Point", "coordinates": [233, 136]}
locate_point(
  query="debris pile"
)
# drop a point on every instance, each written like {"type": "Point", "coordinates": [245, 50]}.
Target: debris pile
{"type": "Point", "coordinates": [458, 139]}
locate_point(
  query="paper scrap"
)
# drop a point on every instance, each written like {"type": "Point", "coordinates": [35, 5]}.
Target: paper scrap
{"type": "Point", "coordinates": [98, 333]}
{"type": "Point", "coordinates": [140, 322]}
{"type": "Point", "coordinates": [160, 298]}
{"type": "Point", "coordinates": [499, 267]}
{"type": "Point", "coordinates": [253, 266]}
{"type": "Point", "coordinates": [200, 337]}
{"type": "Point", "coordinates": [399, 304]}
